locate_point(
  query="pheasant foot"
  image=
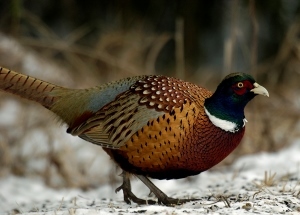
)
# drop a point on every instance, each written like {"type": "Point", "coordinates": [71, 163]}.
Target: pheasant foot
{"type": "Point", "coordinates": [128, 195]}
{"type": "Point", "coordinates": [161, 196]}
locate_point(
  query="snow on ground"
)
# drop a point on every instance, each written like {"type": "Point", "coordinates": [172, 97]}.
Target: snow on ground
{"type": "Point", "coordinates": [241, 189]}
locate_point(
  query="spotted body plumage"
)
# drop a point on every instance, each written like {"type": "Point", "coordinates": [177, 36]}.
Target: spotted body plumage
{"type": "Point", "coordinates": [151, 126]}
{"type": "Point", "coordinates": [172, 145]}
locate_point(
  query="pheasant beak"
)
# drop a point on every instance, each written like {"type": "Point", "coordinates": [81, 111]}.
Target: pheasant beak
{"type": "Point", "coordinates": [260, 90]}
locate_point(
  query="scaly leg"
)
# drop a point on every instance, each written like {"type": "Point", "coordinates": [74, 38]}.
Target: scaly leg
{"type": "Point", "coordinates": [128, 195]}
{"type": "Point", "coordinates": [161, 196]}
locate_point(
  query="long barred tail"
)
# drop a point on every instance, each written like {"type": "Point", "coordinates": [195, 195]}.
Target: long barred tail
{"type": "Point", "coordinates": [27, 87]}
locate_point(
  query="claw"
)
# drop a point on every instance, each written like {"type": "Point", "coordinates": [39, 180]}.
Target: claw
{"type": "Point", "coordinates": [128, 195]}
{"type": "Point", "coordinates": [118, 189]}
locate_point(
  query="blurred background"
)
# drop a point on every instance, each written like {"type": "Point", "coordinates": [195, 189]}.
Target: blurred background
{"type": "Point", "coordinates": [81, 44]}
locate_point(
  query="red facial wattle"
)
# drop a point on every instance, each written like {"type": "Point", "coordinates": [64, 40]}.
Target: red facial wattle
{"type": "Point", "coordinates": [242, 87]}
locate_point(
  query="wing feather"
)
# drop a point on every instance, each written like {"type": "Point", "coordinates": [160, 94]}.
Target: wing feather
{"type": "Point", "coordinates": [144, 101]}
{"type": "Point", "coordinates": [116, 122]}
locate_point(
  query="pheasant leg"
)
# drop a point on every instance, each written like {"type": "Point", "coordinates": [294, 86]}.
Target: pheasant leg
{"type": "Point", "coordinates": [128, 195]}
{"type": "Point", "coordinates": [161, 196]}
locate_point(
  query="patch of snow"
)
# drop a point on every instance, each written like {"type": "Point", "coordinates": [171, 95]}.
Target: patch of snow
{"type": "Point", "coordinates": [9, 112]}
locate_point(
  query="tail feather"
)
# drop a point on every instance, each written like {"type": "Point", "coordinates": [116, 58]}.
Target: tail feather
{"type": "Point", "coordinates": [27, 87]}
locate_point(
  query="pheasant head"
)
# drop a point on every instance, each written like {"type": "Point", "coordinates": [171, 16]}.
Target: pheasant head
{"type": "Point", "coordinates": [225, 108]}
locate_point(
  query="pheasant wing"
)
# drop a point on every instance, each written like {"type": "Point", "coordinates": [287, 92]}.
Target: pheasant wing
{"type": "Point", "coordinates": [146, 100]}
{"type": "Point", "coordinates": [116, 122]}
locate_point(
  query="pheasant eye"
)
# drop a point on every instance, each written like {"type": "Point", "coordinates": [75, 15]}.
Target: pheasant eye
{"type": "Point", "coordinates": [240, 85]}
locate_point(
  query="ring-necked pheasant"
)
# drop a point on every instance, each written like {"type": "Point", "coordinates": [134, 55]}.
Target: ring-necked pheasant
{"type": "Point", "coordinates": [151, 126]}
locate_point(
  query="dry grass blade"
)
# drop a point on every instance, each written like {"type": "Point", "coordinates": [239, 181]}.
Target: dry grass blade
{"type": "Point", "coordinates": [256, 193]}
{"type": "Point", "coordinates": [268, 181]}
{"type": "Point", "coordinates": [60, 205]}
{"type": "Point", "coordinates": [269, 178]}
{"type": "Point", "coordinates": [224, 199]}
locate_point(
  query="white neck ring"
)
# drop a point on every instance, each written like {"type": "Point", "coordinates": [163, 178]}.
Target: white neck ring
{"type": "Point", "coordinates": [223, 124]}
